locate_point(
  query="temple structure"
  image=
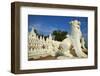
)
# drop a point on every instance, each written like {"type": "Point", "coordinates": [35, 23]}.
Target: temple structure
{"type": "Point", "coordinates": [40, 47]}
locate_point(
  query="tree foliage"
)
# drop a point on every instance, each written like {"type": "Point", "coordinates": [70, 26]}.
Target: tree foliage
{"type": "Point", "coordinates": [59, 35]}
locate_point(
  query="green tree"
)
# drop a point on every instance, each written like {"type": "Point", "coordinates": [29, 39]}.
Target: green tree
{"type": "Point", "coordinates": [59, 35]}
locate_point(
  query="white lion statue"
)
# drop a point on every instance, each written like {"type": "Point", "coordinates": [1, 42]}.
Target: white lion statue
{"type": "Point", "coordinates": [74, 40]}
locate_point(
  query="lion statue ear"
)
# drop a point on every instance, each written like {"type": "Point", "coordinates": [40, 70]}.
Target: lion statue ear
{"type": "Point", "coordinates": [79, 22]}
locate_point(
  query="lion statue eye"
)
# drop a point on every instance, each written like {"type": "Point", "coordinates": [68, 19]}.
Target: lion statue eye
{"type": "Point", "coordinates": [78, 23]}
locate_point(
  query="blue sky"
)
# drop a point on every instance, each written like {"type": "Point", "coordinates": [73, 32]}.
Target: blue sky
{"type": "Point", "coordinates": [45, 24]}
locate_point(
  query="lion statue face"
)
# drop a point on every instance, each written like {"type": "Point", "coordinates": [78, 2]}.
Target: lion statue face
{"type": "Point", "coordinates": [75, 25]}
